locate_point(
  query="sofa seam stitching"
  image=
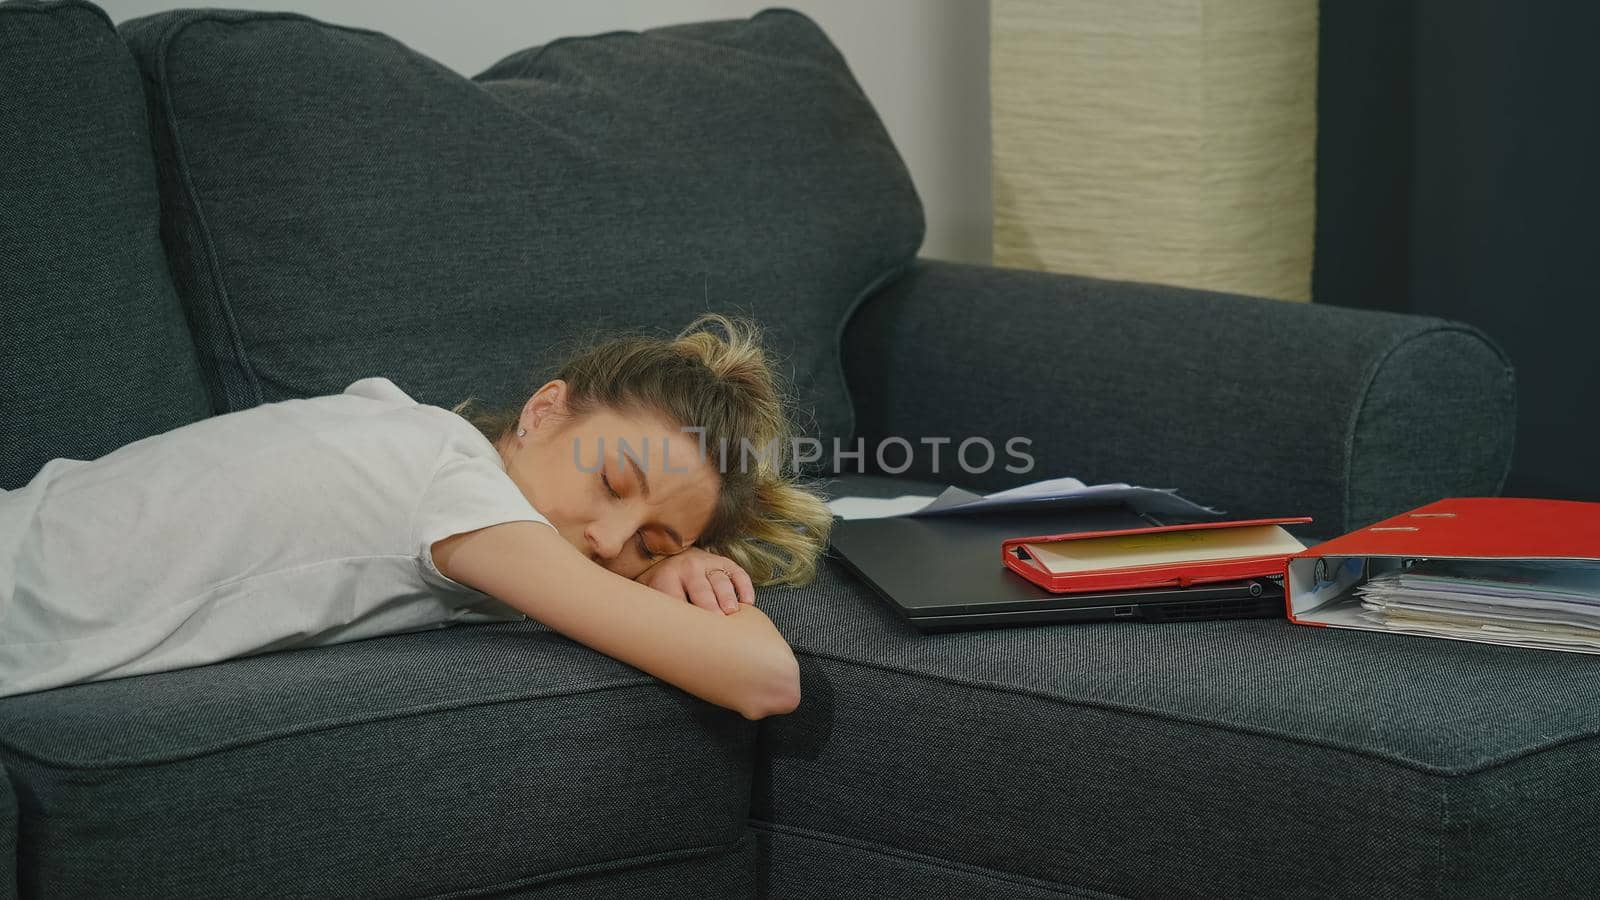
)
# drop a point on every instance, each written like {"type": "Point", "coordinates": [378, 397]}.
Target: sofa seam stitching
{"type": "Point", "coordinates": [50, 11]}
{"type": "Point", "coordinates": [1393, 759]}
{"type": "Point", "coordinates": [1441, 851]}
{"type": "Point", "coordinates": [316, 727]}
{"type": "Point", "coordinates": [649, 34]}
{"type": "Point", "coordinates": [1371, 378]}
{"type": "Point", "coordinates": [885, 277]}
{"type": "Point", "coordinates": [1004, 875]}
{"type": "Point", "coordinates": [621, 864]}
{"type": "Point", "coordinates": [213, 263]}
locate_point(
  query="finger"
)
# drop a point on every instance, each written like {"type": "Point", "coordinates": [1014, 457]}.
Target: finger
{"type": "Point", "coordinates": [701, 594]}
{"type": "Point", "coordinates": [668, 586]}
{"type": "Point", "coordinates": [726, 595]}
{"type": "Point", "coordinates": [747, 590]}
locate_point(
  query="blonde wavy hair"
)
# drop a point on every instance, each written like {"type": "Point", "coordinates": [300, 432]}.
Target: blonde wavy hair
{"type": "Point", "coordinates": [766, 520]}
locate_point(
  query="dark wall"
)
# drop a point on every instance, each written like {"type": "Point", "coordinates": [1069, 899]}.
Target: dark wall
{"type": "Point", "coordinates": [1457, 155]}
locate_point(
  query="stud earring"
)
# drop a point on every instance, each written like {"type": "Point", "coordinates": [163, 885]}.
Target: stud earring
{"type": "Point", "coordinates": [522, 432]}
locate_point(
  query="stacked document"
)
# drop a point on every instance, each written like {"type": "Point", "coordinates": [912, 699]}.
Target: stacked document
{"type": "Point", "coordinates": [1545, 603]}
{"type": "Point", "coordinates": [1049, 494]}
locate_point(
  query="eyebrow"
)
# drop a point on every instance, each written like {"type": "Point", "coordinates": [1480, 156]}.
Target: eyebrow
{"type": "Point", "coordinates": [644, 485]}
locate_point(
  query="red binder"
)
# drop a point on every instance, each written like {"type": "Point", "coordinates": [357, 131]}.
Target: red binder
{"type": "Point", "coordinates": [1176, 574]}
{"type": "Point", "coordinates": [1319, 583]}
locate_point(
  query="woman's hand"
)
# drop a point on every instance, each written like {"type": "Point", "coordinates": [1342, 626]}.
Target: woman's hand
{"type": "Point", "coordinates": [705, 579]}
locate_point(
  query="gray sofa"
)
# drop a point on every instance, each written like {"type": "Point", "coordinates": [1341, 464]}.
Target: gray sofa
{"type": "Point", "coordinates": [202, 211]}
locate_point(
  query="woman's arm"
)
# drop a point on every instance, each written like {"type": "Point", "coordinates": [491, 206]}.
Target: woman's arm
{"type": "Point", "coordinates": [737, 660]}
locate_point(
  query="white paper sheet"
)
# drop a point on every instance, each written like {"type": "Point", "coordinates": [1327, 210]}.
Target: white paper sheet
{"type": "Point", "coordinates": [877, 507]}
{"type": "Point", "coordinates": [1048, 494]}
{"type": "Point", "coordinates": [1549, 604]}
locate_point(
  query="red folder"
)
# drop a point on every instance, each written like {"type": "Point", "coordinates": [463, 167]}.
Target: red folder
{"type": "Point", "coordinates": [1179, 574]}
{"type": "Point", "coordinates": [1319, 583]}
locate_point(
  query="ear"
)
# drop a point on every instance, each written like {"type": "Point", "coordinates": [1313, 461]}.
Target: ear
{"type": "Point", "coordinates": [548, 404]}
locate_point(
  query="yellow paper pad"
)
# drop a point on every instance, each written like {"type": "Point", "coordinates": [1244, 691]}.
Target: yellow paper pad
{"type": "Point", "coordinates": [1124, 551]}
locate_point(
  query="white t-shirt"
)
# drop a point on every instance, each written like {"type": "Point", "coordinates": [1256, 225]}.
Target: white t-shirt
{"type": "Point", "coordinates": [296, 523]}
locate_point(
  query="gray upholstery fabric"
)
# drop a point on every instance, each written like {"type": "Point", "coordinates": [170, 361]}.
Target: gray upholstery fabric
{"type": "Point", "coordinates": [1258, 407]}
{"type": "Point", "coordinates": [799, 864]}
{"type": "Point", "coordinates": [731, 874]}
{"type": "Point", "coordinates": [8, 837]}
{"type": "Point", "coordinates": [493, 757]}
{"type": "Point", "coordinates": [1247, 757]}
{"type": "Point", "coordinates": [94, 352]}
{"type": "Point", "coordinates": [348, 207]}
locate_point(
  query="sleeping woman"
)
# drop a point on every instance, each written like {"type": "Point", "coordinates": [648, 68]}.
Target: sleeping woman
{"type": "Point", "coordinates": [603, 507]}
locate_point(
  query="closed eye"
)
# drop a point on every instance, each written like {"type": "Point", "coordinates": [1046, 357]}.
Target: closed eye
{"type": "Point", "coordinates": [644, 551]}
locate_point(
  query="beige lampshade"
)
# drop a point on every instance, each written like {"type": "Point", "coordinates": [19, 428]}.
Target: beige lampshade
{"type": "Point", "coordinates": [1170, 141]}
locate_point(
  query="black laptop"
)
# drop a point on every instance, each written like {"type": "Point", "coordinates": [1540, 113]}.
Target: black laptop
{"type": "Point", "coordinates": [943, 573]}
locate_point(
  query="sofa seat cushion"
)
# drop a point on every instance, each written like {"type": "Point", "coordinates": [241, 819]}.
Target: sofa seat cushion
{"type": "Point", "coordinates": [344, 206]}
{"type": "Point", "coordinates": [1247, 757]}
{"type": "Point", "coordinates": [497, 756]}
{"type": "Point", "coordinates": [94, 350]}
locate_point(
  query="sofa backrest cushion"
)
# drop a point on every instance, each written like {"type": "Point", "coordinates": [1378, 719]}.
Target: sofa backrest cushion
{"type": "Point", "coordinates": [94, 351]}
{"type": "Point", "coordinates": [349, 207]}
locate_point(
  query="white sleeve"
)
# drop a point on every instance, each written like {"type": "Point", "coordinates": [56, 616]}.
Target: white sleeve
{"type": "Point", "coordinates": [467, 492]}
{"type": "Point", "coordinates": [379, 388]}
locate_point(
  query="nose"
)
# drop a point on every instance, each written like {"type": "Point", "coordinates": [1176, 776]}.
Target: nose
{"type": "Point", "coordinates": [605, 544]}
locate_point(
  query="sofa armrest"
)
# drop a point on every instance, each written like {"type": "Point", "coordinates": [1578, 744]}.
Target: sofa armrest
{"type": "Point", "coordinates": [1258, 407]}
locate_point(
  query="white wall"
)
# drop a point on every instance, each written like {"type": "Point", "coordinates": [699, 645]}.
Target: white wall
{"type": "Point", "coordinates": [923, 63]}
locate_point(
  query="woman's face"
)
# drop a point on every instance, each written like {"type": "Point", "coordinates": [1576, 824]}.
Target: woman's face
{"type": "Point", "coordinates": [624, 489]}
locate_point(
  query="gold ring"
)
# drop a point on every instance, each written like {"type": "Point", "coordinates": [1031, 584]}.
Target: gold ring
{"type": "Point", "coordinates": [723, 571]}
